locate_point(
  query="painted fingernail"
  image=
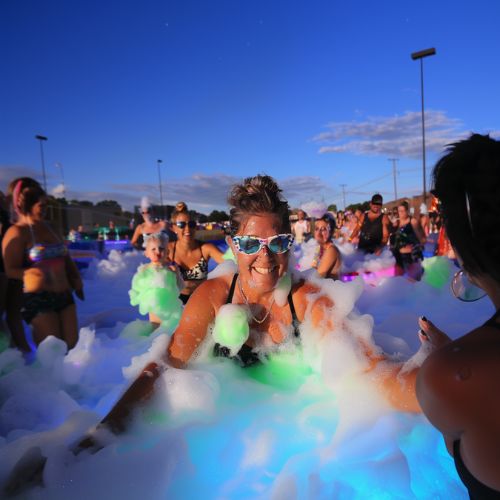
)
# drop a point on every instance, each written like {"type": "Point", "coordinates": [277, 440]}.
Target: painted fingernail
{"type": "Point", "coordinates": [421, 332]}
{"type": "Point", "coordinates": [423, 318]}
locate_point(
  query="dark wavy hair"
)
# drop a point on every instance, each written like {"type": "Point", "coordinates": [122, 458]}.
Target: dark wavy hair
{"type": "Point", "coordinates": [24, 193]}
{"type": "Point", "coordinates": [257, 195]}
{"type": "Point", "coordinates": [467, 182]}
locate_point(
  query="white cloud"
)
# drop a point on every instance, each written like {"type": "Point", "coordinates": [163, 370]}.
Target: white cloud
{"type": "Point", "coordinates": [396, 135]}
{"type": "Point", "coordinates": [204, 192]}
{"type": "Point", "coordinates": [58, 191]}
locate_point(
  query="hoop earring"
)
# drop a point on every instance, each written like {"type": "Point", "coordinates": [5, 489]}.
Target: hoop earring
{"type": "Point", "coordinates": [464, 290]}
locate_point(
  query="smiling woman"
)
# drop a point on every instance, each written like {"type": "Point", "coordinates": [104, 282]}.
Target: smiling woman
{"type": "Point", "coordinates": [267, 306]}
{"type": "Point", "coordinates": [187, 254]}
{"type": "Point", "coordinates": [327, 261]}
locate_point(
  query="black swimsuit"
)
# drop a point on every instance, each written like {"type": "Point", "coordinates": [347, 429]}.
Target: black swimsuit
{"type": "Point", "coordinates": [371, 234]}
{"type": "Point", "coordinates": [246, 356]}
{"type": "Point", "coordinates": [477, 490]}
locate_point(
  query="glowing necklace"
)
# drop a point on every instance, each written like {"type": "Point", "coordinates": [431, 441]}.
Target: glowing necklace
{"type": "Point", "coordinates": [259, 321]}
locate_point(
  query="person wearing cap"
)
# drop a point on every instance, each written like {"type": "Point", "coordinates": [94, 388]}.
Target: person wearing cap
{"type": "Point", "coordinates": [373, 228]}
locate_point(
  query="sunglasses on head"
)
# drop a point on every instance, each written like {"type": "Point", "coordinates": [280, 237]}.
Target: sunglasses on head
{"type": "Point", "coordinates": [280, 243]}
{"type": "Point", "coordinates": [182, 224]}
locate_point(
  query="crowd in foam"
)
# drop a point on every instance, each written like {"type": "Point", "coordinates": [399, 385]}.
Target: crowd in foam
{"type": "Point", "coordinates": [302, 356]}
{"type": "Point", "coordinates": [326, 434]}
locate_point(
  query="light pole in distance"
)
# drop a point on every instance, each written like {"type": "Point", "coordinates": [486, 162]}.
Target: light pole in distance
{"type": "Point", "coordinates": [420, 55]}
{"type": "Point", "coordinates": [158, 162]}
{"type": "Point", "coordinates": [42, 138]}
{"type": "Point", "coordinates": [60, 167]}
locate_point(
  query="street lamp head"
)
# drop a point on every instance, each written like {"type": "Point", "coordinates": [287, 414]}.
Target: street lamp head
{"type": "Point", "coordinates": [423, 53]}
{"type": "Point", "coordinates": [159, 161]}
{"type": "Point", "coordinates": [41, 137]}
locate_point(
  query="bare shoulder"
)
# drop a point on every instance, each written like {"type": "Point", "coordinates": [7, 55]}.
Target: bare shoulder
{"type": "Point", "coordinates": [207, 248]}
{"type": "Point", "coordinates": [213, 291]}
{"type": "Point", "coordinates": [16, 232]}
{"type": "Point", "coordinates": [456, 383]}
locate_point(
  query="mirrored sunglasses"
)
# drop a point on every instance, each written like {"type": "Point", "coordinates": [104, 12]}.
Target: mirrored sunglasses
{"type": "Point", "coordinates": [182, 224]}
{"type": "Point", "coordinates": [250, 245]}
{"type": "Point", "coordinates": [464, 290]}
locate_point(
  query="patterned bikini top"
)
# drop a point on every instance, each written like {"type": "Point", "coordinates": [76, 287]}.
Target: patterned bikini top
{"type": "Point", "coordinates": [45, 251]}
{"type": "Point", "coordinates": [196, 273]}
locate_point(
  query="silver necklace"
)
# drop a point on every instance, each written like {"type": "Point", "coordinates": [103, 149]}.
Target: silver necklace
{"type": "Point", "coordinates": [257, 320]}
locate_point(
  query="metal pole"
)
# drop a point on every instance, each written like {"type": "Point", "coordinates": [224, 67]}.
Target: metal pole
{"type": "Point", "coordinates": [423, 127]}
{"type": "Point", "coordinates": [394, 172]}
{"type": "Point", "coordinates": [59, 165]}
{"type": "Point", "coordinates": [42, 138]}
{"type": "Point", "coordinates": [343, 193]}
{"type": "Point", "coordinates": [420, 55]}
{"type": "Point", "coordinates": [159, 182]}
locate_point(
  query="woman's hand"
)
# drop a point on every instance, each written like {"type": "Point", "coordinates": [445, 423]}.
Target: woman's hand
{"type": "Point", "coordinates": [33, 280]}
{"type": "Point", "coordinates": [430, 333]}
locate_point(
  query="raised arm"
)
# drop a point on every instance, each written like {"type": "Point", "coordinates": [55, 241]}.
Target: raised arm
{"type": "Point", "coordinates": [357, 229]}
{"type": "Point", "coordinates": [135, 236]}
{"type": "Point", "coordinates": [417, 227]}
{"type": "Point", "coordinates": [211, 251]}
{"type": "Point", "coordinates": [385, 231]}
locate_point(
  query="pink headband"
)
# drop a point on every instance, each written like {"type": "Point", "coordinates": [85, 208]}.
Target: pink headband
{"type": "Point", "coordinates": [15, 195]}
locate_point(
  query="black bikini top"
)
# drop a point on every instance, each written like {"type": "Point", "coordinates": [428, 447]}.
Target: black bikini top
{"type": "Point", "coordinates": [477, 490]}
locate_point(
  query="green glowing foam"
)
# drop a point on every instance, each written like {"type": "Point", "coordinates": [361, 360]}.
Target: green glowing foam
{"type": "Point", "coordinates": [155, 291]}
{"type": "Point", "coordinates": [231, 327]}
{"type": "Point", "coordinates": [286, 371]}
{"type": "Point", "coordinates": [437, 271]}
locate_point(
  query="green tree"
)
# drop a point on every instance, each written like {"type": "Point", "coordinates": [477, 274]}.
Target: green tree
{"type": "Point", "coordinates": [218, 216]}
{"type": "Point", "coordinates": [359, 206]}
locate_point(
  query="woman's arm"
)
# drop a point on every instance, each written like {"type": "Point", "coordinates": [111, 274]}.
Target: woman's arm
{"type": "Point", "coordinates": [135, 236]}
{"type": "Point", "coordinates": [197, 316]}
{"type": "Point", "coordinates": [211, 251]}
{"type": "Point", "coordinates": [13, 249]}
{"type": "Point", "coordinates": [419, 232]}
{"type": "Point", "coordinates": [357, 228]}
{"type": "Point", "coordinates": [74, 278]}
{"type": "Point", "coordinates": [393, 381]}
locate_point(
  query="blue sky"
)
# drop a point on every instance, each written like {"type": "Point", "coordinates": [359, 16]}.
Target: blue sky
{"type": "Point", "coordinates": [317, 94]}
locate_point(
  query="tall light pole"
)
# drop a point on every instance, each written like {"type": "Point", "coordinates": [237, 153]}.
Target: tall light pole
{"type": "Point", "coordinates": [420, 55]}
{"type": "Point", "coordinates": [42, 138]}
{"type": "Point", "coordinates": [158, 162]}
{"type": "Point", "coordinates": [394, 172]}
{"type": "Point", "coordinates": [60, 167]}
{"type": "Point", "coordinates": [343, 194]}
